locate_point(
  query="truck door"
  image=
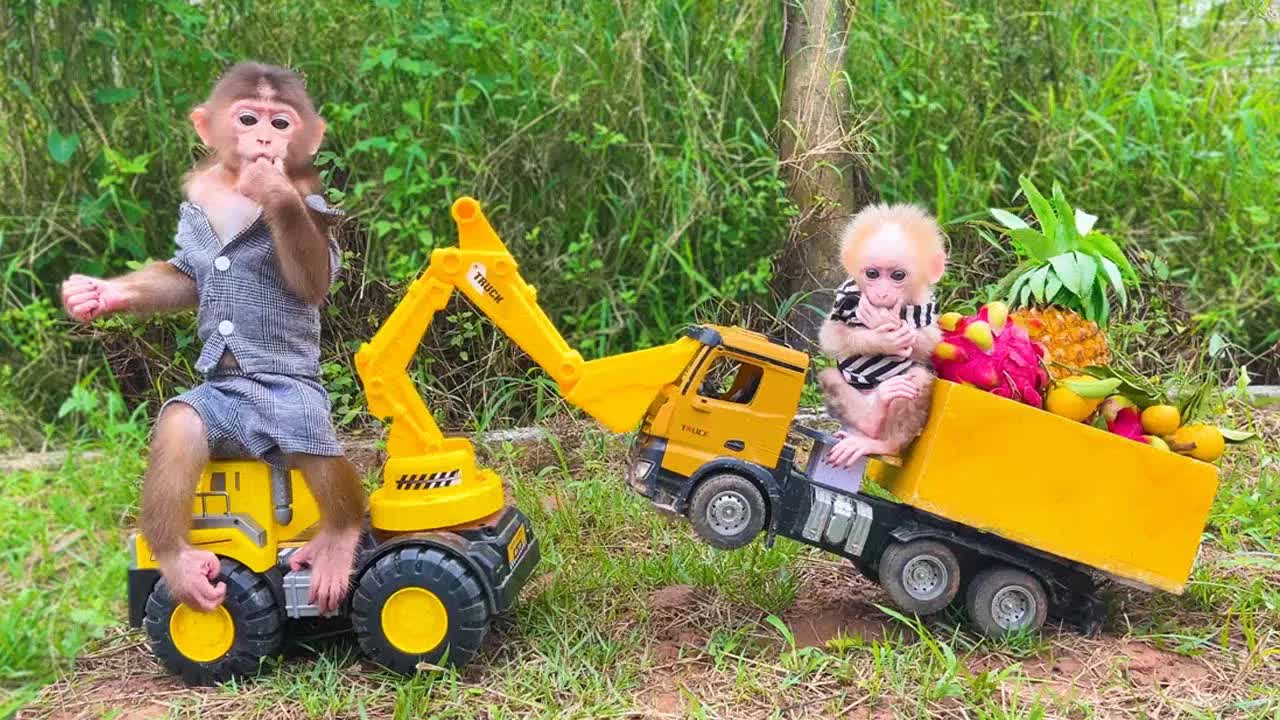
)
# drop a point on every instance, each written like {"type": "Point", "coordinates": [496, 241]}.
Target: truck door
{"type": "Point", "coordinates": [725, 411]}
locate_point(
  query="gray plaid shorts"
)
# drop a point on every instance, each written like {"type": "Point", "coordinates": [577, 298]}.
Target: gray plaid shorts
{"type": "Point", "coordinates": [263, 416]}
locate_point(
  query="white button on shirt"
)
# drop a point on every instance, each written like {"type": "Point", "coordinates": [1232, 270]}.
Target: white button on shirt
{"type": "Point", "coordinates": [222, 262]}
{"type": "Point", "coordinates": [226, 327]}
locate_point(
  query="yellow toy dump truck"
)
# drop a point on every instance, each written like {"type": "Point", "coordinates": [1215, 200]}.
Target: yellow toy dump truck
{"type": "Point", "coordinates": [1024, 509]}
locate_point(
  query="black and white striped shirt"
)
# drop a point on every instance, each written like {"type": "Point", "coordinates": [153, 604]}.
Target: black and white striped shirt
{"type": "Point", "coordinates": [865, 372]}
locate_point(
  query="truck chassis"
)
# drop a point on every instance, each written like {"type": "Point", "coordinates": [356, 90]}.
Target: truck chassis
{"type": "Point", "coordinates": [924, 562]}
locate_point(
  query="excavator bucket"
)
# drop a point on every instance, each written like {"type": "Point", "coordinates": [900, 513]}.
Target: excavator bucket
{"type": "Point", "coordinates": [617, 390]}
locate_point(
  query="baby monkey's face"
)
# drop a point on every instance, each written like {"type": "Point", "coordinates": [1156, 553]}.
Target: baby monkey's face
{"type": "Point", "coordinates": [884, 283]}
{"type": "Point", "coordinates": [262, 129]}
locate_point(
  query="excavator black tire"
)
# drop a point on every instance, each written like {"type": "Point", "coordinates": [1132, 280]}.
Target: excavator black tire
{"type": "Point", "coordinates": [443, 607]}
{"type": "Point", "coordinates": [256, 627]}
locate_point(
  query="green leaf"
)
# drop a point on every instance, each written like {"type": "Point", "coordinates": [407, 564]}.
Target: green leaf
{"type": "Point", "coordinates": [1008, 219]}
{"type": "Point", "coordinates": [1097, 244]}
{"type": "Point", "coordinates": [1032, 243]}
{"type": "Point", "coordinates": [1137, 388]}
{"type": "Point", "coordinates": [1088, 268]}
{"type": "Point", "coordinates": [1051, 288]}
{"type": "Point", "coordinates": [1117, 282]}
{"type": "Point", "coordinates": [62, 147]}
{"type": "Point", "coordinates": [1043, 212]}
{"type": "Point", "coordinates": [1236, 436]}
{"type": "Point", "coordinates": [1021, 278]}
{"type": "Point", "coordinates": [111, 96]}
{"type": "Point", "coordinates": [1103, 306]}
{"type": "Point", "coordinates": [1067, 234]}
{"type": "Point", "coordinates": [1037, 283]}
{"type": "Point", "coordinates": [1093, 389]}
{"type": "Point", "coordinates": [1068, 272]}
{"type": "Point", "coordinates": [1189, 407]}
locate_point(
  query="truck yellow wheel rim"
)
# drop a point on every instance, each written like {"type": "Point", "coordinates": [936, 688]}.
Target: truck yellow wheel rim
{"type": "Point", "coordinates": [414, 620]}
{"type": "Point", "coordinates": [202, 636]}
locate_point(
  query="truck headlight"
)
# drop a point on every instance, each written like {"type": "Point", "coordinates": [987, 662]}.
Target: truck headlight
{"type": "Point", "coordinates": [638, 472]}
{"type": "Point", "coordinates": [641, 469]}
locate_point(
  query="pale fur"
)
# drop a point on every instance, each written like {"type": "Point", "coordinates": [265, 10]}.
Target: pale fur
{"type": "Point", "coordinates": [925, 252]}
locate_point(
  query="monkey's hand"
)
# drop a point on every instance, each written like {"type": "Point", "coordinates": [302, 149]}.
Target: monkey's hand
{"type": "Point", "coordinates": [265, 182]}
{"type": "Point", "coordinates": [874, 316]}
{"type": "Point", "coordinates": [852, 448]}
{"type": "Point", "coordinates": [190, 574]}
{"type": "Point", "coordinates": [86, 298]}
{"type": "Point", "coordinates": [895, 339]}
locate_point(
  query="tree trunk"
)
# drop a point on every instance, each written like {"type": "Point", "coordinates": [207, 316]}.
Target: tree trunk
{"type": "Point", "coordinates": [818, 146]}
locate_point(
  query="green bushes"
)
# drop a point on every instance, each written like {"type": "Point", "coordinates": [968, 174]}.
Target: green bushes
{"type": "Point", "coordinates": [625, 152]}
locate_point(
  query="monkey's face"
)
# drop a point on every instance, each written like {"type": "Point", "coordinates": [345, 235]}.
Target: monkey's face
{"type": "Point", "coordinates": [885, 272]}
{"type": "Point", "coordinates": [884, 285]}
{"type": "Point", "coordinates": [259, 128]}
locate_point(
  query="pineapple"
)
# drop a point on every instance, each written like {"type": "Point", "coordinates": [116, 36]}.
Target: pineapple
{"type": "Point", "coordinates": [1067, 337]}
{"type": "Point", "coordinates": [1062, 287]}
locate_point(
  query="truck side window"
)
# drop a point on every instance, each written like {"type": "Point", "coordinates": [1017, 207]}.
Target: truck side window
{"type": "Point", "coordinates": [731, 380]}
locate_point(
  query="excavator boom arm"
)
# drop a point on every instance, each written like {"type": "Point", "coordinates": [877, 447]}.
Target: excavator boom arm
{"type": "Point", "coordinates": [614, 390]}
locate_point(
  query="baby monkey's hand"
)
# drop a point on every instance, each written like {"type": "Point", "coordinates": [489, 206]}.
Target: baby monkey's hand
{"type": "Point", "coordinates": [263, 181]}
{"type": "Point", "coordinates": [874, 316]}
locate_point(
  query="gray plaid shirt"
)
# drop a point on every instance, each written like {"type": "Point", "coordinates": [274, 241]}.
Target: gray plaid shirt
{"type": "Point", "coordinates": [245, 306]}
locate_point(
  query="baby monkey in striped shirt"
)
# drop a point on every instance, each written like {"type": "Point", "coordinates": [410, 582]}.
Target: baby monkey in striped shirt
{"type": "Point", "coordinates": [882, 331]}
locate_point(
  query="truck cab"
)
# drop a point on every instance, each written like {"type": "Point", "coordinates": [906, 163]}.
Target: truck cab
{"type": "Point", "coordinates": [713, 444]}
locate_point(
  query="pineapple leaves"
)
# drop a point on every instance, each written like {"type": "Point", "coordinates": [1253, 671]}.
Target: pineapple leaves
{"type": "Point", "coordinates": [1037, 283]}
{"type": "Point", "coordinates": [1049, 223]}
{"type": "Point", "coordinates": [1051, 289]}
{"type": "Point", "coordinates": [1088, 268]}
{"type": "Point", "coordinates": [1117, 281]}
{"type": "Point", "coordinates": [1008, 219]}
{"type": "Point", "coordinates": [1101, 305]}
{"type": "Point", "coordinates": [1068, 236]}
{"type": "Point", "coordinates": [1102, 245]}
{"type": "Point", "coordinates": [1019, 282]}
{"type": "Point", "coordinates": [1064, 261]}
{"type": "Point", "coordinates": [1068, 272]}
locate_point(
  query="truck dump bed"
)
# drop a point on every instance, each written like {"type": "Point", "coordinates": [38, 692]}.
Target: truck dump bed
{"type": "Point", "coordinates": [1123, 507]}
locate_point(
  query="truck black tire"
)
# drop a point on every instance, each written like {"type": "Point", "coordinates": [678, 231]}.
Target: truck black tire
{"type": "Point", "coordinates": [213, 647]}
{"type": "Point", "coordinates": [727, 511]}
{"type": "Point", "coordinates": [921, 576]}
{"type": "Point", "coordinates": [1003, 600]}
{"type": "Point", "coordinates": [419, 604]}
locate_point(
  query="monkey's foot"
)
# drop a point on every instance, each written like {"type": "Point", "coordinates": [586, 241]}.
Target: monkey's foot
{"type": "Point", "coordinates": [330, 555]}
{"type": "Point", "coordinates": [190, 573]}
{"type": "Point", "coordinates": [852, 448]}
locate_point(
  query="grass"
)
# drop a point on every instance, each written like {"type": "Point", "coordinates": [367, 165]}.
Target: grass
{"type": "Point", "coordinates": [629, 615]}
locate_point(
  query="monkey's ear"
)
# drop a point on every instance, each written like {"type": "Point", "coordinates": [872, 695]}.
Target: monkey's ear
{"type": "Point", "coordinates": [316, 137]}
{"type": "Point", "coordinates": [935, 266]}
{"type": "Point", "coordinates": [200, 121]}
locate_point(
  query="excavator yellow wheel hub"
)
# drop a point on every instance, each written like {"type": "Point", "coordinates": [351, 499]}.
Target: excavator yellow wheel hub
{"type": "Point", "coordinates": [202, 636]}
{"type": "Point", "coordinates": [414, 620]}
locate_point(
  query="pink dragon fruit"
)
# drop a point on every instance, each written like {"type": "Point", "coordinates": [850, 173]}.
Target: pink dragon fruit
{"type": "Point", "coordinates": [989, 352]}
{"type": "Point", "coordinates": [1128, 423]}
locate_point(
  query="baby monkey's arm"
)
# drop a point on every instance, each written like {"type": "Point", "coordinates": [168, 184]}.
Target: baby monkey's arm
{"type": "Point", "coordinates": [155, 288]}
